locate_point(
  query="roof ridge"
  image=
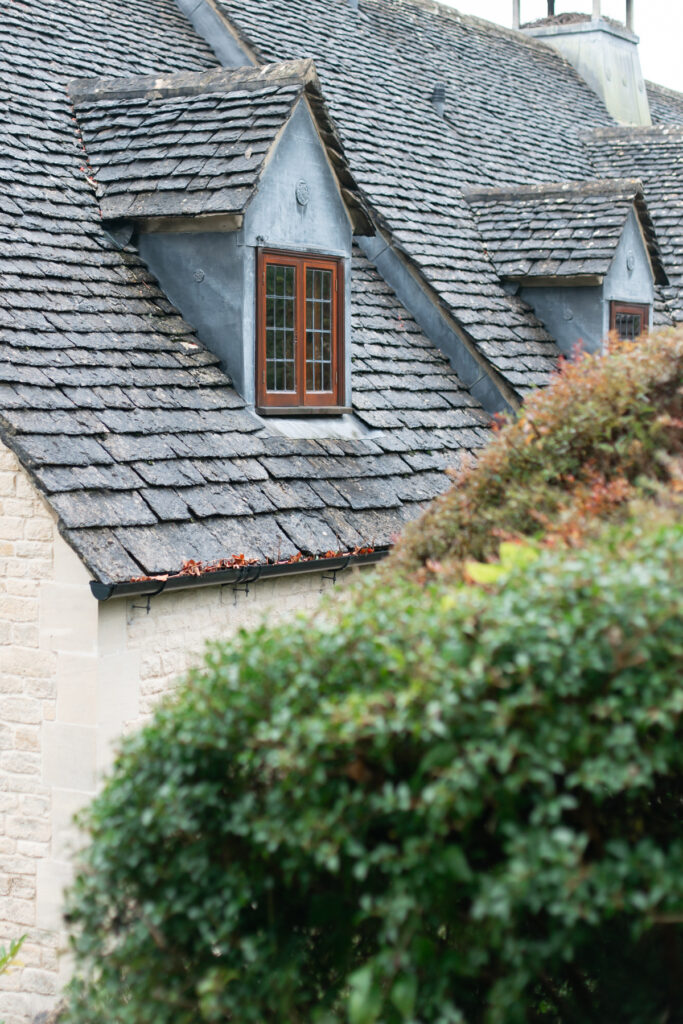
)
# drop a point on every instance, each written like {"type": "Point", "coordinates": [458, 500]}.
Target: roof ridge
{"type": "Point", "coordinates": [653, 131]}
{"type": "Point", "coordinates": [591, 186]}
{"type": "Point", "coordinates": [678, 93]}
{"type": "Point", "coordinates": [445, 10]}
{"type": "Point", "coordinates": [190, 83]}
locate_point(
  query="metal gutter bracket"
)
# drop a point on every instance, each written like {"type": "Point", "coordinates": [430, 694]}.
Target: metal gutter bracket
{"type": "Point", "coordinates": [239, 578]}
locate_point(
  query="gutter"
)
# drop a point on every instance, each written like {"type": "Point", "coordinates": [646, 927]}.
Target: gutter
{"type": "Point", "coordinates": [242, 576]}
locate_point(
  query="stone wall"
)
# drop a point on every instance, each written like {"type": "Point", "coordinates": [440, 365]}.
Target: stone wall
{"type": "Point", "coordinates": [30, 661]}
{"type": "Point", "coordinates": [74, 676]}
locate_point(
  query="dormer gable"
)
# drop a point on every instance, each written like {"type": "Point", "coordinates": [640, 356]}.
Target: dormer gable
{"type": "Point", "coordinates": [234, 188]}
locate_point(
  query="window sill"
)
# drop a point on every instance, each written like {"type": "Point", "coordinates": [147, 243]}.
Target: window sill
{"type": "Point", "coordinates": [303, 410]}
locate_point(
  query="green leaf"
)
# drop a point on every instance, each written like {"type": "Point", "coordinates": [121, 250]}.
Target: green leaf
{"type": "Point", "coordinates": [365, 998]}
{"type": "Point", "coordinates": [517, 556]}
{"type": "Point", "coordinates": [404, 995]}
{"type": "Point", "coordinates": [485, 573]}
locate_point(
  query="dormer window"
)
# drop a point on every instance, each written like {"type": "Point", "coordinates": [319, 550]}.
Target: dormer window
{"type": "Point", "coordinates": [300, 332]}
{"type": "Point", "coordinates": [247, 222]}
{"type": "Point", "coordinates": [629, 320]}
{"type": "Point", "coordinates": [582, 254]}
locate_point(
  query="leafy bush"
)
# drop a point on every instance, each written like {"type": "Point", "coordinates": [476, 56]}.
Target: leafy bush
{"type": "Point", "coordinates": [604, 434]}
{"type": "Point", "coordinates": [428, 804]}
{"type": "Point", "coordinates": [9, 955]}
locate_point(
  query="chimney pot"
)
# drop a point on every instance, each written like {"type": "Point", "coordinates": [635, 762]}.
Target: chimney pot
{"type": "Point", "coordinates": [439, 98]}
{"type": "Point", "coordinates": [516, 13]}
{"type": "Point", "coordinates": [629, 15]}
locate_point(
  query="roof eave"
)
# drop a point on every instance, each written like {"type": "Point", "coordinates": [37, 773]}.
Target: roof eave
{"type": "Point", "coordinates": [239, 576]}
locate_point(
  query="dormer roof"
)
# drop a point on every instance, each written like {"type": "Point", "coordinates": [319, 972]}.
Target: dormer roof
{"type": "Point", "coordinates": [656, 155]}
{"type": "Point", "coordinates": [564, 231]}
{"type": "Point", "coordinates": [192, 145]}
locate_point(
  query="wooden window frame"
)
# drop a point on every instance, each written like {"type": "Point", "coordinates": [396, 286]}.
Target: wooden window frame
{"type": "Point", "coordinates": [306, 401]}
{"type": "Point", "coordinates": [629, 309]}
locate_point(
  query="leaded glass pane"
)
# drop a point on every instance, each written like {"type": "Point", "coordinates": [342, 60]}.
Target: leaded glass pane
{"type": "Point", "coordinates": [318, 330]}
{"type": "Point", "coordinates": [629, 326]}
{"type": "Point", "coordinates": [280, 326]}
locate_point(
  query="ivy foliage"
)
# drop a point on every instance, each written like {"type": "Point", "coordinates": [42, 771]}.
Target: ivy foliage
{"type": "Point", "coordinates": [428, 804]}
{"type": "Point", "coordinates": [607, 432]}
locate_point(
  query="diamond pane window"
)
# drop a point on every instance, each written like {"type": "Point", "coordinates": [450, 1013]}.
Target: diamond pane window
{"type": "Point", "coordinates": [629, 320]}
{"type": "Point", "coordinates": [300, 332]}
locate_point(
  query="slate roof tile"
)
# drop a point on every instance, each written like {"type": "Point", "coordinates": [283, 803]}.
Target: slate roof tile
{"type": "Point", "coordinates": [126, 422]}
{"type": "Point", "coordinates": [128, 425]}
{"type": "Point", "coordinates": [655, 155]}
{"type": "Point", "coordinates": [184, 145]}
{"type": "Point", "coordinates": [559, 230]}
{"type": "Point", "coordinates": [377, 69]}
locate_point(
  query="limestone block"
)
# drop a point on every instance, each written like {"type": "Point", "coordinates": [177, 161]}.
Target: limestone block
{"type": "Point", "coordinates": [69, 756]}
{"type": "Point", "coordinates": [26, 661]}
{"type": "Point", "coordinates": [66, 837]}
{"type": "Point", "coordinates": [18, 912]}
{"type": "Point", "coordinates": [68, 568]}
{"type": "Point", "coordinates": [53, 877]}
{"type": "Point", "coordinates": [68, 618]}
{"type": "Point", "coordinates": [27, 738]}
{"type": "Point", "coordinates": [77, 688]}
{"type": "Point", "coordinates": [26, 710]}
{"type": "Point", "coordinates": [111, 627]}
{"type": "Point", "coordinates": [25, 634]}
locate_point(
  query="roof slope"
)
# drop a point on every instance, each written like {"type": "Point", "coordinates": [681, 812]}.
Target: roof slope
{"type": "Point", "coordinates": [516, 113]}
{"type": "Point", "coordinates": [124, 420]}
{"type": "Point", "coordinates": [378, 67]}
{"type": "Point", "coordinates": [566, 230]}
{"type": "Point", "coordinates": [195, 144]}
{"type": "Point", "coordinates": [655, 155]}
{"type": "Point", "coordinates": [666, 105]}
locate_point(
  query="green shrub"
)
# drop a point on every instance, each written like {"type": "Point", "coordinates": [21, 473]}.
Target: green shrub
{"type": "Point", "coordinates": [9, 955]}
{"type": "Point", "coordinates": [426, 804]}
{"type": "Point", "coordinates": [609, 430]}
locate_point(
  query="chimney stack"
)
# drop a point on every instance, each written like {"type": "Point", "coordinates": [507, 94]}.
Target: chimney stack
{"type": "Point", "coordinates": [604, 53]}
{"type": "Point", "coordinates": [353, 4]}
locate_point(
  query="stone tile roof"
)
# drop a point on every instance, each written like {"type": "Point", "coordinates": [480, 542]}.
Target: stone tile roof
{"type": "Point", "coordinates": [655, 155]}
{"type": "Point", "coordinates": [378, 68]}
{"type": "Point", "coordinates": [516, 113]}
{"type": "Point", "coordinates": [123, 419]}
{"type": "Point", "coordinates": [195, 144]}
{"type": "Point", "coordinates": [563, 230]}
{"type": "Point", "coordinates": [666, 105]}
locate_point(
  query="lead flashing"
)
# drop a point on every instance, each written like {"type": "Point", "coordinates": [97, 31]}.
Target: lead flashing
{"type": "Point", "coordinates": [217, 32]}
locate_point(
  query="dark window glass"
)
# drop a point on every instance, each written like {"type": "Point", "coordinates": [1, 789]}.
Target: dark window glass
{"type": "Point", "coordinates": [629, 320]}
{"type": "Point", "coordinates": [280, 328]}
{"type": "Point", "coordinates": [628, 326]}
{"type": "Point", "coordinates": [318, 330]}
